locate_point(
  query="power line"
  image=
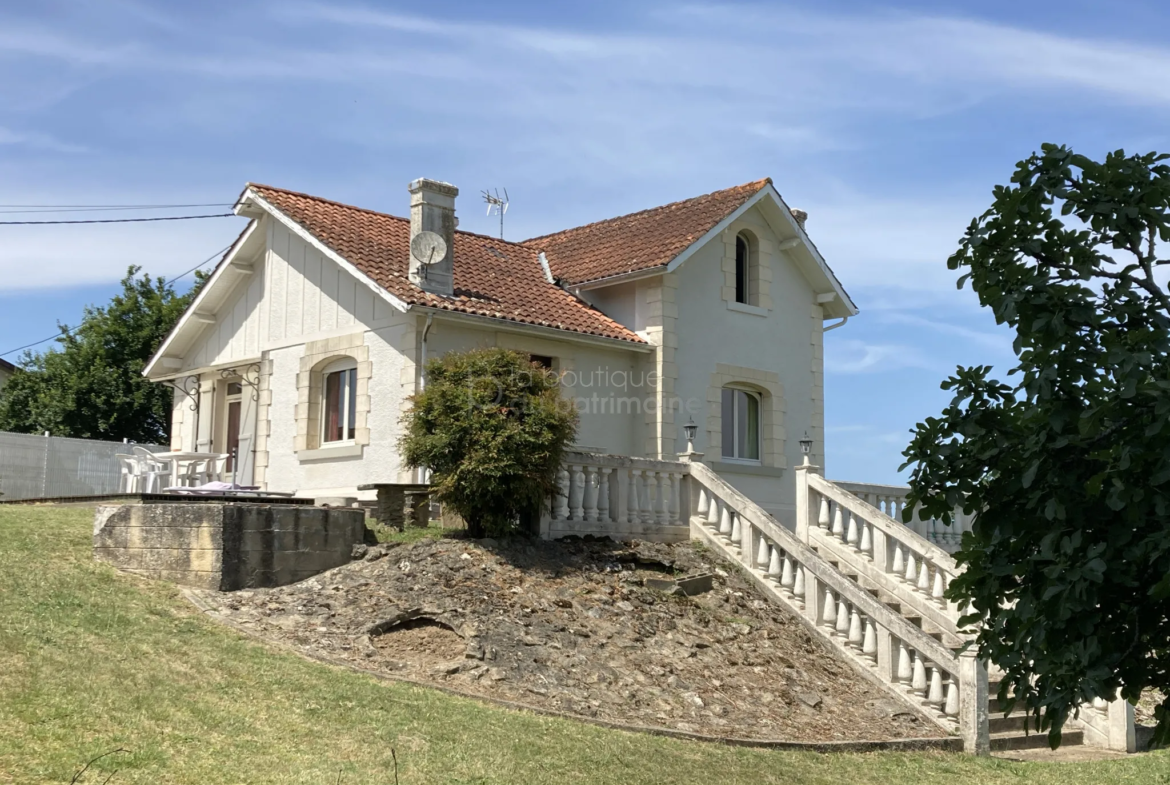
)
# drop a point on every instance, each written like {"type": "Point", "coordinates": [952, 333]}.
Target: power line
{"type": "Point", "coordinates": [117, 220]}
{"type": "Point", "coordinates": [68, 330]}
{"type": "Point", "coordinates": [89, 208]}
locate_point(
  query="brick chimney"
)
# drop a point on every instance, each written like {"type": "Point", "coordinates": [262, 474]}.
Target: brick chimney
{"type": "Point", "coordinates": [432, 209]}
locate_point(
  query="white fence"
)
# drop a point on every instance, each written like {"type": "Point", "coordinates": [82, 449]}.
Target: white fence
{"type": "Point", "coordinates": [38, 467]}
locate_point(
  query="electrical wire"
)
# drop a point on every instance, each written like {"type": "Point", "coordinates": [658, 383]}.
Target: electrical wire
{"type": "Point", "coordinates": [89, 208]}
{"type": "Point", "coordinates": [117, 220]}
{"type": "Point", "coordinates": [71, 329]}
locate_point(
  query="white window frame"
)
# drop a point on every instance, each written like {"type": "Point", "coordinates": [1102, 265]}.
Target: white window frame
{"type": "Point", "coordinates": [348, 416]}
{"type": "Point", "coordinates": [734, 430]}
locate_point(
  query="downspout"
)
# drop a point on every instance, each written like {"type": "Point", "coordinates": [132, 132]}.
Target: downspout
{"type": "Point", "coordinates": [835, 326]}
{"type": "Point", "coordinates": [421, 472]}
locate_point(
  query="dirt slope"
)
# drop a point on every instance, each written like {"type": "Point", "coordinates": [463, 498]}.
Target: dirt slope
{"type": "Point", "coordinates": [571, 627]}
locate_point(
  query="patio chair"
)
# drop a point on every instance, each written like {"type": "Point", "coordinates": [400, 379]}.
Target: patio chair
{"type": "Point", "coordinates": [149, 470]}
{"type": "Point", "coordinates": [194, 473]}
{"type": "Point", "coordinates": [128, 482]}
{"type": "Point", "coordinates": [216, 468]}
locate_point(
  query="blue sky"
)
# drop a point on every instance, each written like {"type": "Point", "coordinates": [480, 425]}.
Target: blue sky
{"type": "Point", "coordinates": [889, 124]}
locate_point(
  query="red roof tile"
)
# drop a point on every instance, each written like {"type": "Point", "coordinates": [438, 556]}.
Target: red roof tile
{"type": "Point", "coordinates": [493, 278]}
{"type": "Point", "coordinates": [638, 241]}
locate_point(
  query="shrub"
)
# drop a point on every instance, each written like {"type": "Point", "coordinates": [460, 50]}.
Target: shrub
{"type": "Point", "coordinates": [492, 428]}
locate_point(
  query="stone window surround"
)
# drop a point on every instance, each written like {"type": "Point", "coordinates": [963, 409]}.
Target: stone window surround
{"type": "Point", "coordinates": [763, 251]}
{"type": "Point", "coordinates": [767, 385]}
{"type": "Point", "coordinates": [318, 356]}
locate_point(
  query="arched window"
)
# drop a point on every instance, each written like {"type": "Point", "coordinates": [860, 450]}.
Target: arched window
{"type": "Point", "coordinates": [339, 402]}
{"type": "Point", "coordinates": [741, 424]}
{"type": "Point", "coordinates": [746, 273]}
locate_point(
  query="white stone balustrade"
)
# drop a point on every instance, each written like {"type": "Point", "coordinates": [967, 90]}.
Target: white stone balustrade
{"type": "Point", "coordinates": [895, 652]}
{"type": "Point", "coordinates": [618, 496]}
{"type": "Point", "coordinates": [891, 500]}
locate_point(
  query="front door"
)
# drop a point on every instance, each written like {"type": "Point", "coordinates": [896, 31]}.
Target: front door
{"type": "Point", "coordinates": [232, 429]}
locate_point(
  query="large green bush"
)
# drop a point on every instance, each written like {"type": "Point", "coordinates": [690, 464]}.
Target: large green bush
{"type": "Point", "coordinates": [492, 428]}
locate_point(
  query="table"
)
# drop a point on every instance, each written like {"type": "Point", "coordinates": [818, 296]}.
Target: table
{"type": "Point", "coordinates": [179, 459]}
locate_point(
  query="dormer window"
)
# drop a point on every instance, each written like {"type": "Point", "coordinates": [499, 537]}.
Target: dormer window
{"type": "Point", "coordinates": [747, 274]}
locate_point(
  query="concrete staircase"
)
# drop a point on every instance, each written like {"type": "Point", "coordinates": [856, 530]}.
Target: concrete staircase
{"type": "Point", "coordinates": [865, 583]}
{"type": "Point", "coordinates": [873, 589]}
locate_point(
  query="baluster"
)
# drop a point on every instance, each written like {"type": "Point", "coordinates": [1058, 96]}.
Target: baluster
{"type": "Point", "coordinates": [798, 585]}
{"type": "Point", "coordinates": [855, 637]}
{"type": "Point", "coordinates": [918, 685]}
{"type": "Point", "coordinates": [939, 588]}
{"type": "Point", "coordinates": [662, 508]}
{"type": "Point", "coordinates": [763, 553]}
{"type": "Point", "coordinates": [869, 645]}
{"type": "Point", "coordinates": [736, 530]}
{"type": "Point", "coordinates": [823, 515]}
{"type": "Point", "coordinates": [924, 577]}
{"type": "Point", "coordinates": [852, 536]}
{"type": "Point", "coordinates": [787, 575]}
{"type": "Point", "coordinates": [674, 511]}
{"type": "Point", "coordinates": [620, 514]}
{"type": "Point", "coordinates": [561, 511]}
{"type": "Point", "coordinates": [905, 670]}
{"type": "Point", "coordinates": [899, 565]}
{"type": "Point", "coordinates": [951, 709]}
{"type": "Point", "coordinates": [866, 545]}
{"type": "Point", "coordinates": [842, 628]}
{"type": "Point", "coordinates": [838, 524]}
{"type": "Point", "coordinates": [713, 514]}
{"type": "Point", "coordinates": [775, 567]}
{"type": "Point", "coordinates": [829, 611]}
{"type": "Point", "coordinates": [725, 521]}
{"type": "Point", "coordinates": [577, 493]}
{"type": "Point", "coordinates": [603, 495]}
{"type": "Point", "coordinates": [935, 696]}
{"type": "Point", "coordinates": [651, 496]}
{"type": "Point", "coordinates": [911, 574]}
{"type": "Point", "coordinates": [632, 503]}
{"type": "Point", "coordinates": [703, 503]}
{"type": "Point", "coordinates": [591, 493]}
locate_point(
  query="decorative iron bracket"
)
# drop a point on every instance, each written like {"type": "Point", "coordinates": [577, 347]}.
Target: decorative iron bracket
{"type": "Point", "coordinates": [243, 374]}
{"type": "Point", "coordinates": [189, 386]}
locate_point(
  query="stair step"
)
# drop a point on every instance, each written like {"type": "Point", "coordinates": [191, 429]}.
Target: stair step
{"type": "Point", "coordinates": [1015, 741]}
{"type": "Point", "coordinates": [1010, 724]}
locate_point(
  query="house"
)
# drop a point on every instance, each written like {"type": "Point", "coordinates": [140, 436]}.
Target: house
{"type": "Point", "coordinates": [6, 371]}
{"type": "Point", "coordinates": [301, 351]}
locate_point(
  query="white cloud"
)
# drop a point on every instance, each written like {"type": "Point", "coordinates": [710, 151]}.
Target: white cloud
{"type": "Point", "coordinates": [855, 356]}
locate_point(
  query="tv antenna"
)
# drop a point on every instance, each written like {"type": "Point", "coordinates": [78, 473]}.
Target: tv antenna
{"type": "Point", "coordinates": [494, 202]}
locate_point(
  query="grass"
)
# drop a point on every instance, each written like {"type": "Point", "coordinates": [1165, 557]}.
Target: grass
{"type": "Point", "coordinates": [91, 660]}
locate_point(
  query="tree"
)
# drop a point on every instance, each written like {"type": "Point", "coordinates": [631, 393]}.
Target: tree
{"type": "Point", "coordinates": [1067, 470]}
{"type": "Point", "coordinates": [92, 385]}
{"type": "Point", "coordinates": [492, 429]}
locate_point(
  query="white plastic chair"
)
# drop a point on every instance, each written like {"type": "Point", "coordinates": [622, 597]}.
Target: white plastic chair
{"type": "Point", "coordinates": [149, 470]}
{"type": "Point", "coordinates": [216, 467]}
{"type": "Point", "coordinates": [194, 473]}
{"type": "Point", "coordinates": [129, 480]}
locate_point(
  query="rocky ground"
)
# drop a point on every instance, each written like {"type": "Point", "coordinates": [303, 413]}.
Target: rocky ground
{"type": "Point", "coordinates": [572, 627]}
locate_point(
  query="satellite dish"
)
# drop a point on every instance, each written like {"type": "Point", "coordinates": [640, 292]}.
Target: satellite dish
{"type": "Point", "coordinates": [428, 248]}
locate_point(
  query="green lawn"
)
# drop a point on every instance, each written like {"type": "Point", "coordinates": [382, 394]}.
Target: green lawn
{"type": "Point", "coordinates": [91, 661]}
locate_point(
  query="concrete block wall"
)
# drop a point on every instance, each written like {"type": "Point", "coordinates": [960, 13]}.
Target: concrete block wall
{"type": "Point", "coordinates": [228, 546]}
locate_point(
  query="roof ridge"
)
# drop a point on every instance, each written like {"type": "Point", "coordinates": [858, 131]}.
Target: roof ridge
{"type": "Point", "coordinates": [757, 183]}
{"type": "Point", "coordinates": [348, 206]}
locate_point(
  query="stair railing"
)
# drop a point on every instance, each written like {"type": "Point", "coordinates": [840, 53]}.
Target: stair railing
{"type": "Point", "coordinates": [950, 688]}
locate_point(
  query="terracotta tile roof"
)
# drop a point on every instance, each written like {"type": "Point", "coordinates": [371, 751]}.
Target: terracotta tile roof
{"type": "Point", "coordinates": [638, 241]}
{"type": "Point", "coordinates": [493, 278]}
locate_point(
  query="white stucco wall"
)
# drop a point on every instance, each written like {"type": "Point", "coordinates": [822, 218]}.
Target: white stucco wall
{"type": "Point", "coordinates": [320, 474]}
{"type": "Point", "coordinates": [602, 378]}
{"type": "Point", "coordinates": [710, 333]}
